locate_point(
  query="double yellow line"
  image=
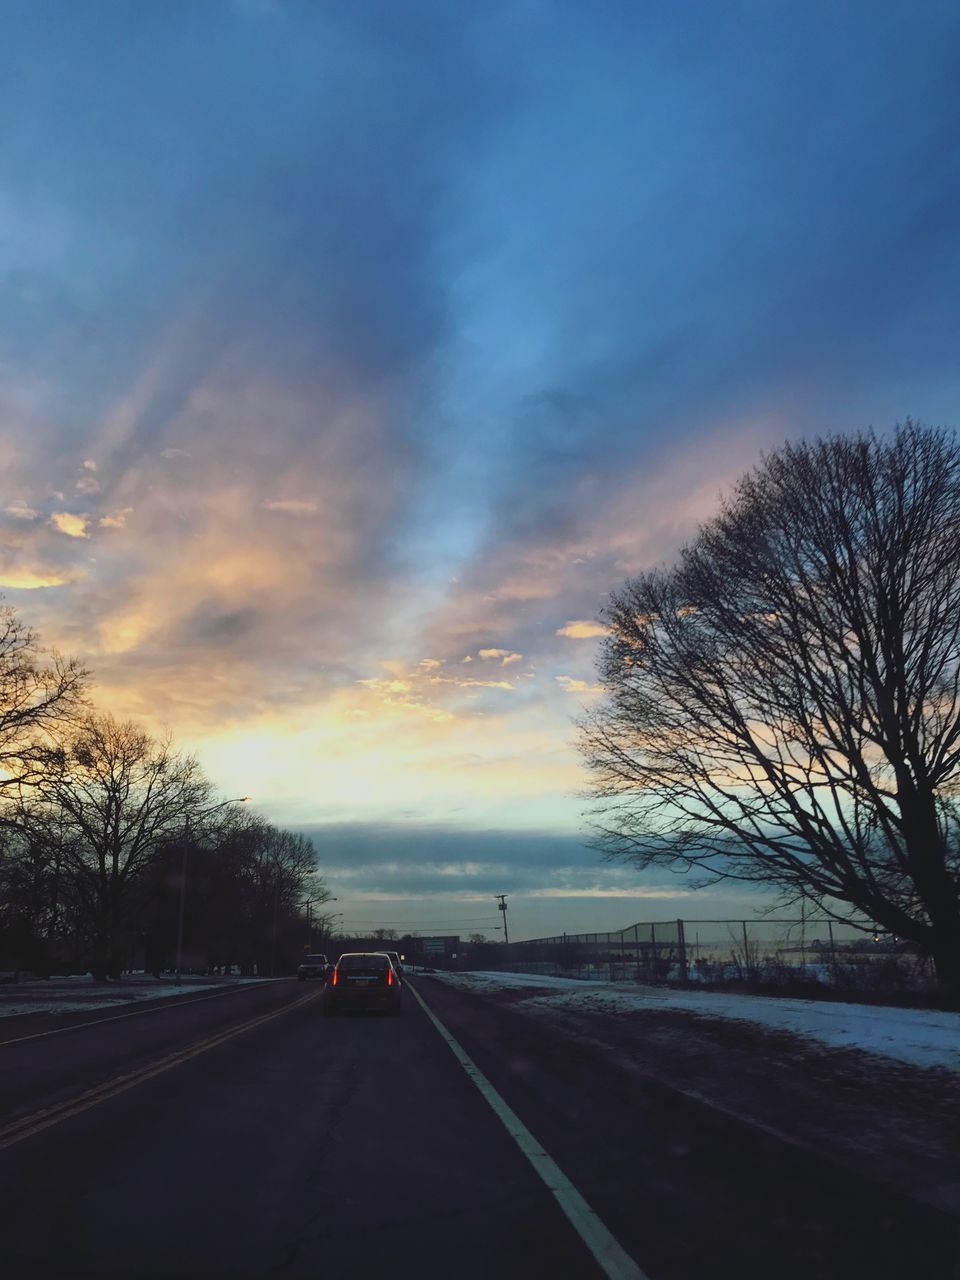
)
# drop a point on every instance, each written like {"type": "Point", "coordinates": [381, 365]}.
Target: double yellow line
{"type": "Point", "coordinates": [50, 1116]}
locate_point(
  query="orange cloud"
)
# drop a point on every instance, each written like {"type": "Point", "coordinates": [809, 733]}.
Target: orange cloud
{"type": "Point", "coordinates": [73, 526]}
{"type": "Point", "coordinates": [571, 685]}
{"type": "Point", "coordinates": [30, 580]}
{"type": "Point", "coordinates": [505, 656]}
{"type": "Point", "coordinates": [116, 520]}
{"type": "Point", "coordinates": [582, 630]}
{"type": "Point", "coordinates": [483, 684]}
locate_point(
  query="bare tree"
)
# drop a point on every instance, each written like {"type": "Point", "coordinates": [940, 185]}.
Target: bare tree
{"type": "Point", "coordinates": [28, 899]}
{"type": "Point", "coordinates": [38, 693]}
{"type": "Point", "coordinates": [784, 703]}
{"type": "Point", "coordinates": [275, 873]}
{"type": "Point", "coordinates": [117, 798]}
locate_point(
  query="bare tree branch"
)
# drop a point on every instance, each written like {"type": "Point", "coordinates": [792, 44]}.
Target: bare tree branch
{"type": "Point", "coordinates": [118, 798]}
{"type": "Point", "coordinates": [784, 704]}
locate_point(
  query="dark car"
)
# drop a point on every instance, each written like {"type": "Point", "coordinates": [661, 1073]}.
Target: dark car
{"type": "Point", "coordinates": [397, 965]}
{"type": "Point", "coordinates": [312, 967]}
{"type": "Point", "coordinates": [363, 980]}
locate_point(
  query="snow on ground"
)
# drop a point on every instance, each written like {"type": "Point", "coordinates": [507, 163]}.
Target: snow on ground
{"type": "Point", "coordinates": [923, 1037]}
{"type": "Point", "coordinates": [79, 994]}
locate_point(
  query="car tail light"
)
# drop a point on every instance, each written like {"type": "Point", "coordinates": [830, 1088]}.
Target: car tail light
{"type": "Point", "coordinates": [335, 978]}
{"type": "Point", "coordinates": [389, 977]}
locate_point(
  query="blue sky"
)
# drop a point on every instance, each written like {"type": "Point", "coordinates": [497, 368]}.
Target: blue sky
{"type": "Point", "coordinates": [350, 355]}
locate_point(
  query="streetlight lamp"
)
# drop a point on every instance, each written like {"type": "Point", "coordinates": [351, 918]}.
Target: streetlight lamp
{"type": "Point", "coordinates": [183, 870]}
{"type": "Point", "coordinates": [310, 901]}
{"type": "Point", "coordinates": [326, 934]}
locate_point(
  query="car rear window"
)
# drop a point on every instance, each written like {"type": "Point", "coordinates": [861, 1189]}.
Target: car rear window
{"type": "Point", "coordinates": [368, 964]}
{"type": "Point", "coordinates": [315, 960]}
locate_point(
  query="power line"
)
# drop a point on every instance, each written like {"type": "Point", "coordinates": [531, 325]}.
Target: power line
{"type": "Point", "coordinates": [435, 925]}
{"type": "Point", "coordinates": [380, 920]}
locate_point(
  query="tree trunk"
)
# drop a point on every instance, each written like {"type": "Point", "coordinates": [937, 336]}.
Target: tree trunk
{"type": "Point", "coordinates": [101, 960]}
{"type": "Point", "coordinates": [99, 963]}
{"type": "Point", "coordinates": [946, 959]}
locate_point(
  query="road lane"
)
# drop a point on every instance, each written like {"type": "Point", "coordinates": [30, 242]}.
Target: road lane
{"type": "Point", "coordinates": [47, 1117]}
{"type": "Point", "coordinates": [689, 1191]}
{"type": "Point", "coordinates": [57, 1019]}
{"type": "Point", "coordinates": [45, 1072]}
{"type": "Point", "coordinates": [613, 1259]}
{"type": "Point", "coordinates": [358, 1144]}
{"type": "Point", "coordinates": [352, 1144]}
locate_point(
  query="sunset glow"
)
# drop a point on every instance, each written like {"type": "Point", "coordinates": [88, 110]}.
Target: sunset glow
{"type": "Point", "coordinates": [329, 427]}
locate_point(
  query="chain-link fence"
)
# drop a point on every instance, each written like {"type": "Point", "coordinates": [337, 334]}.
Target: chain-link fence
{"type": "Point", "coordinates": [771, 952]}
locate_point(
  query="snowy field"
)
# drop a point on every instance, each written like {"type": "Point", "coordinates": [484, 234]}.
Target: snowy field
{"type": "Point", "coordinates": [925, 1038]}
{"type": "Point", "coordinates": [81, 994]}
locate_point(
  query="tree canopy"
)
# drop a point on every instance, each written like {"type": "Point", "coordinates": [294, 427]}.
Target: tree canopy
{"type": "Point", "coordinates": [98, 823]}
{"type": "Point", "coordinates": [115, 797]}
{"type": "Point", "coordinates": [39, 693]}
{"type": "Point", "coordinates": [783, 703]}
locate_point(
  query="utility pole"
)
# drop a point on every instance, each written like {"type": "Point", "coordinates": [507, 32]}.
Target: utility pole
{"type": "Point", "coordinates": [502, 906]}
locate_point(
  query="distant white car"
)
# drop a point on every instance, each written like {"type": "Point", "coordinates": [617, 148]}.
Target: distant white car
{"type": "Point", "coordinates": [312, 967]}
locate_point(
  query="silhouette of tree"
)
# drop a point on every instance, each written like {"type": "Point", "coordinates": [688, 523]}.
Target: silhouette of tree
{"type": "Point", "coordinates": [39, 693]}
{"type": "Point", "coordinates": [117, 798]}
{"type": "Point", "coordinates": [783, 705]}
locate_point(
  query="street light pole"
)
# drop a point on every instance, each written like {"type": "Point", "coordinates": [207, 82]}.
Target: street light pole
{"type": "Point", "coordinates": [183, 871]}
{"type": "Point", "coordinates": [183, 897]}
{"type": "Point", "coordinates": [322, 919]}
{"type": "Point", "coordinates": [337, 915]}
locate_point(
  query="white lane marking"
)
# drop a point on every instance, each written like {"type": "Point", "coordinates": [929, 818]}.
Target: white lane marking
{"type": "Point", "coordinates": [27, 1126]}
{"type": "Point", "coordinates": [611, 1257]}
{"type": "Point", "coordinates": [134, 1013]}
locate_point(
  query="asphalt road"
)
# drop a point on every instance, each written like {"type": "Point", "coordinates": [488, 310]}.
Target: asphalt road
{"type": "Point", "coordinates": [359, 1147]}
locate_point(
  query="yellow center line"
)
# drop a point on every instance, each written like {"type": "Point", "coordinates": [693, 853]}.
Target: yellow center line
{"type": "Point", "coordinates": [175, 1003]}
{"type": "Point", "coordinates": [50, 1116]}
